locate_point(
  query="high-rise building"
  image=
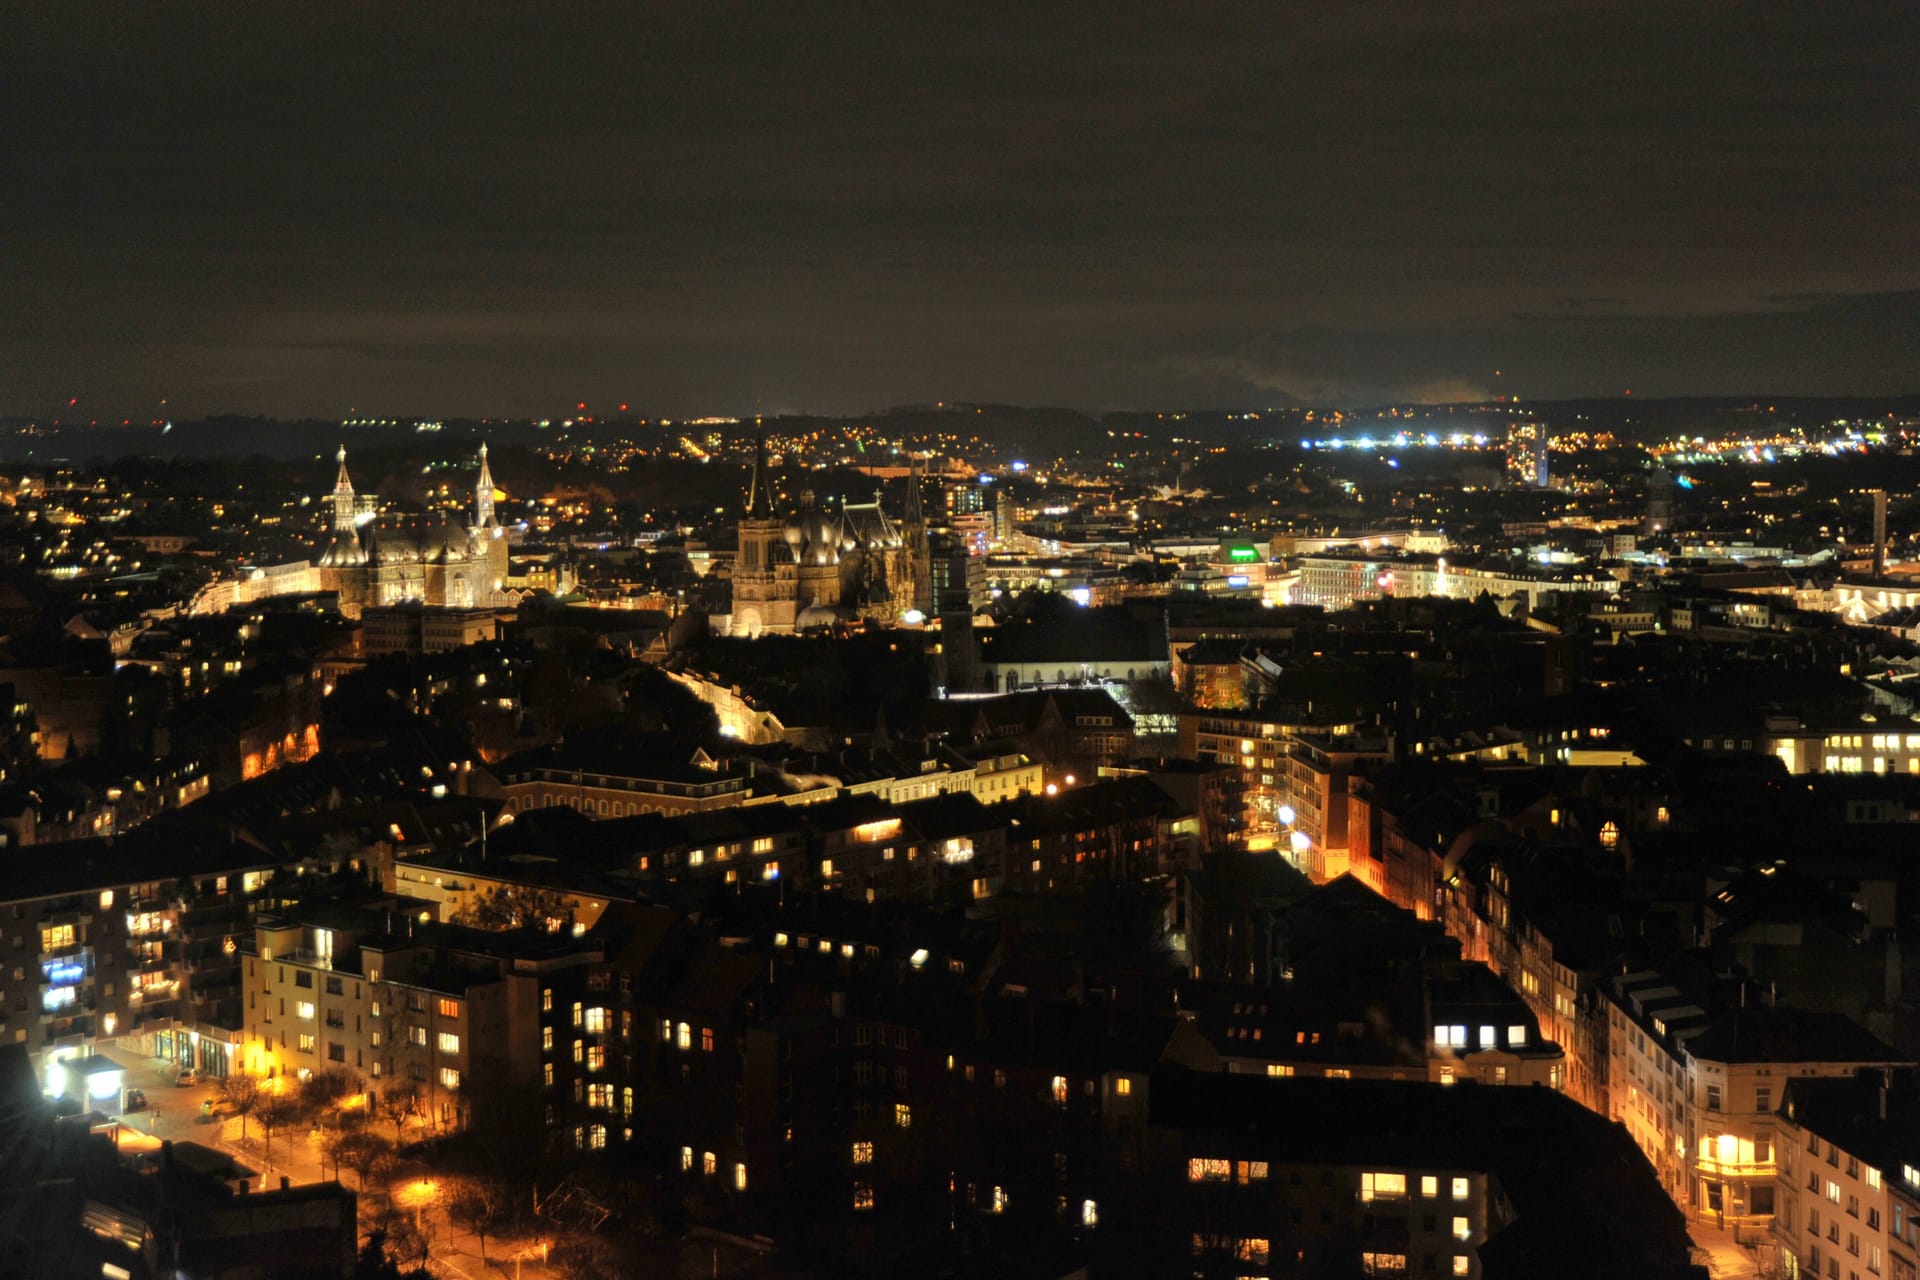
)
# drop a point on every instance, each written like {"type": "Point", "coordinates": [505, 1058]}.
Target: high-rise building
{"type": "Point", "coordinates": [1528, 445]}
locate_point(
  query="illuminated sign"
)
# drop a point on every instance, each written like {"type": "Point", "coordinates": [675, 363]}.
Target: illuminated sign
{"type": "Point", "coordinates": [1243, 553]}
{"type": "Point", "coordinates": [1237, 580]}
{"type": "Point", "coordinates": [61, 973]}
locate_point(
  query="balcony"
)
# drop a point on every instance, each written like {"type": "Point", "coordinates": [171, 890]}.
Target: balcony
{"type": "Point", "coordinates": [1735, 1168]}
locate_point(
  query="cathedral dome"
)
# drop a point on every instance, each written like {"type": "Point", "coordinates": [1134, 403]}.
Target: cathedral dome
{"type": "Point", "coordinates": [823, 538]}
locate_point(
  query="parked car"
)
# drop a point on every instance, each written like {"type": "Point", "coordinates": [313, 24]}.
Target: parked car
{"type": "Point", "coordinates": [186, 1077]}
{"type": "Point", "coordinates": [136, 1100]}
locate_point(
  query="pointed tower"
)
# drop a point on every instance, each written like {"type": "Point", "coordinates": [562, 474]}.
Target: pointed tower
{"type": "Point", "coordinates": [488, 540]}
{"type": "Point", "coordinates": [919, 564]}
{"type": "Point", "coordinates": [759, 503]}
{"type": "Point", "coordinates": [764, 572]}
{"type": "Point", "coordinates": [483, 494]}
{"type": "Point", "coordinates": [343, 502]}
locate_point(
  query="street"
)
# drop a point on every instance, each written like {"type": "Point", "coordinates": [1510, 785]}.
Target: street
{"type": "Point", "coordinates": [174, 1114]}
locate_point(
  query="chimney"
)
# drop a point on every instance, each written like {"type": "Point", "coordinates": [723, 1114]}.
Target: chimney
{"type": "Point", "coordinates": [1886, 1087]}
{"type": "Point", "coordinates": [286, 1183]}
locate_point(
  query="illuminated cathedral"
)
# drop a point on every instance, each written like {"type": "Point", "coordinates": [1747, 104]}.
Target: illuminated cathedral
{"type": "Point", "coordinates": [434, 558]}
{"type": "Point", "coordinates": [812, 568]}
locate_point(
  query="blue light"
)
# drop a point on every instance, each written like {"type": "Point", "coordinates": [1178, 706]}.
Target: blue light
{"type": "Point", "coordinates": [63, 975]}
{"type": "Point", "coordinates": [1237, 580]}
{"type": "Point", "coordinates": [1019, 466]}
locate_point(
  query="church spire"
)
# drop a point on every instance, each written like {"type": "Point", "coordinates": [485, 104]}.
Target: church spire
{"type": "Point", "coordinates": [343, 501]}
{"type": "Point", "coordinates": [759, 503]}
{"type": "Point", "coordinates": [483, 493]}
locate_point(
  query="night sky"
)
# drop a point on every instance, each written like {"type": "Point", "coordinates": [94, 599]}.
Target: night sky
{"type": "Point", "coordinates": [475, 209]}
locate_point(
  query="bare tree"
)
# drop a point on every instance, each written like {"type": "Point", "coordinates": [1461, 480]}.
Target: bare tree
{"type": "Point", "coordinates": [362, 1151]}
{"type": "Point", "coordinates": [276, 1111]}
{"type": "Point", "coordinates": [480, 1205]}
{"type": "Point", "coordinates": [240, 1094]}
{"type": "Point", "coordinates": [396, 1104]}
{"type": "Point", "coordinates": [326, 1087]}
{"type": "Point", "coordinates": [512, 906]}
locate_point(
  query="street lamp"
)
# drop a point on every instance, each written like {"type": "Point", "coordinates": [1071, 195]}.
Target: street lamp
{"type": "Point", "coordinates": [418, 1194]}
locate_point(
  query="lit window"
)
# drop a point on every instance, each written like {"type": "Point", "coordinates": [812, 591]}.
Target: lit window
{"type": "Point", "coordinates": [684, 1036]}
{"type": "Point", "coordinates": [449, 1008]}
{"type": "Point", "coordinates": [1089, 1213]}
{"type": "Point", "coordinates": [863, 1153]}
{"type": "Point", "coordinates": [1462, 1265]}
{"type": "Point", "coordinates": [903, 1115]}
{"type": "Point", "coordinates": [1462, 1228]}
{"type": "Point", "coordinates": [1253, 1249]}
{"type": "Point", "coordinates": [1382, 1264]}
{"type": "Point", "coordinates": [546, 1039]}
{"type": "Point", "coordinates": [304, 1009]}
{"type": "Point", "coordinates": [106, 899]}
{"type": "Point", "coordinates": [1459, 1188]}
{"type": "Point", "coordinates": [709, 1163]}
{"type": "Point", "coordinates": [449, 1078]}
{"type": "Point", "coordinates": [706, 1039]}
{"type": "Point", "coordinates": [1487, 1038]}
{"type": "Point", "coordinates": [596, 1136]}
{"type": "Point", "coordinates": [1250, 1170]}
{"type": "Point", "coordinates": [863, 1195]}
{"type": "Point", "coordinates": [596, 1057]}
{"type": "Point", "coordinates": [1383, 1186]}
{"type": "Point", "coordinates": [1516, 1037]}
{"type": "Point", "coordinates": [1279, 1070]}
{"type": "Point", "coordinates": [1123, 1087]}
{"type": "Point", "coordinates": [578, 1016]}
{"type": "Point", "coordinates": [666, 1032]}
{"type": "Point", "coordinates": [1429, 1186]}
{"type": "Point", "coordinates": [1208, 1169]}
{"type": "Point", "coordinates": [449, 1042]}
{"type": "Point", "coordinates": [596, 1020]}
{"type": "Point", "coordinates": [999, 1199]}
{"type": "Point", "coordinates": [1060, 1089]}
{"type": "Point", "coordinates": [740, 1176]}
{"type": "Point", "coordinates": [686, 1158]}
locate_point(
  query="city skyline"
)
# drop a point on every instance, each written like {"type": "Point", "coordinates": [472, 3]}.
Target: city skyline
{"type": "Point", "coordinates": [836, 210]}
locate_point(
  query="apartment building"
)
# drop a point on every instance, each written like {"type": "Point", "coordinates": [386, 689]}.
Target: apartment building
{"type": "Point", "coordinates": [1698, 1087]}
{"type": "Point", "coordinates": [1849, 1177]}
{"type": "Point", "coordinates": [1285, 1178]}
{"type": "Point", "coordinates": [431, 1011]}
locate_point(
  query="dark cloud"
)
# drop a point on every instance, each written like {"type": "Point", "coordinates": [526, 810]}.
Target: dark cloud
{"type": "Point", "coordinates": [502, 208]}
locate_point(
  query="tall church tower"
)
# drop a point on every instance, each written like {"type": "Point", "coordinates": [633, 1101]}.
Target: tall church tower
{"type": "Point", "coordinates": [761, 602]}
{"type": "Point", "coordinates": [919, 558]}
{"type": "Point", "coordinates": [489, 539]}
{"type": "Point", "coordinates": [343, 503]}
{"type": "Point", "coordinates": [483, 494]}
